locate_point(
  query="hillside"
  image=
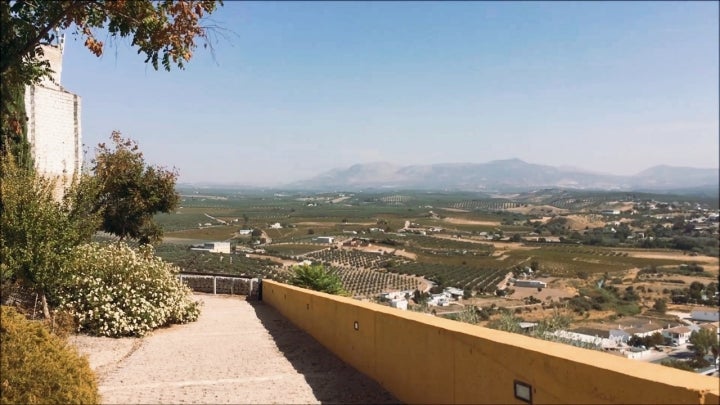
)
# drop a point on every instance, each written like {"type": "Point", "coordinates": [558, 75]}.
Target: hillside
{"type": "Point", "coordinates": [506, 175]}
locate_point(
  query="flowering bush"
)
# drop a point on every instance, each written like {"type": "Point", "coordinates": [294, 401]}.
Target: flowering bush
{"type": "Point", "coordinates": [113, 290]}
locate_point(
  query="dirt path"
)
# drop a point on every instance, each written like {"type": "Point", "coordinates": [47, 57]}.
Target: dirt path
{"type": "Point", "coordinates": [403, 253]}
{"type": "Point", "coordinates": [237, 352]}
{"type": "Point", "coordinates": [460, 221]}
{"type": "Point", "coordinates": [329, 223]}
{"type": "Point", "coordinates": [381, 248]}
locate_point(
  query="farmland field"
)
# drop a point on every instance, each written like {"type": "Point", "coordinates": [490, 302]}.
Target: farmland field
{"type": "Point", "coordinates": [405, 240]}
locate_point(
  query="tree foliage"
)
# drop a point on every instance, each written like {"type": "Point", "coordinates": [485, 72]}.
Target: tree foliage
{"type": "Point", "coordinates": [38, 231]}
{"type": "Point", "coordinates": [165, 31]}
{"type": "Point", "coordinates": [660, 305]}
{"type": "Point", "coordinates": [679, 364]}
{"type": "Point", "coordinates": [655, 339]}
{"type": "Point", "coordinates": [704, 342]}
{"type": "Point", "coordinates": [316, 277]}
{"type": "Point", "coordinates": [420, 298]}
{"type": "Point", "coordinates": [130, 192]}
{"type": "Point", "coordinates": [13, 123]}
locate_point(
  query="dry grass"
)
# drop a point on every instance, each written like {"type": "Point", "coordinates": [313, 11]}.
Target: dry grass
{"type": "Point", "coordinates": [538, 210]}
{"type": "Point", "coordinates": [462, 221]}
{"type": "Point", "coordinates": [581, 222]}
{"type": "Point", "coordinates": [713, 262]}
{"type": "Point", "coordinates": [546, 294]}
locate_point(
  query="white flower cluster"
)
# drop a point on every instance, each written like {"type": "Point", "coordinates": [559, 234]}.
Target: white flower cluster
{"type": "Point", "coordinates": [117, 291]}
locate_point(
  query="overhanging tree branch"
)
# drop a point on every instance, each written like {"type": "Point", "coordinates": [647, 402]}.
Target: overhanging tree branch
{"type": "Point", "coordinates": [30, 45]}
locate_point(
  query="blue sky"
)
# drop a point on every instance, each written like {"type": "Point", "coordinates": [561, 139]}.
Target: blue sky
{"type": "Point", "coordinates": [298, 88]}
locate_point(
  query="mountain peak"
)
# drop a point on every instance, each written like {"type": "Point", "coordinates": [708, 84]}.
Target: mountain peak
{"type": "Point", "coordinates": [511, 160]}
{"type": "Point", "coordinates": [507, 174]}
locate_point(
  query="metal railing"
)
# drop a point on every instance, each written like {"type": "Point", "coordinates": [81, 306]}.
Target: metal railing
{"type": "Point", "coordinates": [220, 284]}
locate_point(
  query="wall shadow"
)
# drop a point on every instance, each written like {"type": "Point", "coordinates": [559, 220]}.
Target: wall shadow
{"type": "Point", "coordinates": [332, 380]}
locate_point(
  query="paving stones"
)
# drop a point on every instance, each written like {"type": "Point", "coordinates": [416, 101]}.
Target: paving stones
{"type": "Point", "coordinates": [237, 352]}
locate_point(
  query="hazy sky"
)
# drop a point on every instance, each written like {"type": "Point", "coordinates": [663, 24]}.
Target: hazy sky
{"type": "Point", "coordinates": [300, 88]}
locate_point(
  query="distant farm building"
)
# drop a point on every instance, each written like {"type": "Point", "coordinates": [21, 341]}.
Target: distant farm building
{"type": "Point", "coordinates": [527, 327]}
{"type": "Point", "coordinates": [455, 292]}
{"type": "Point", "coordinates": [530, 283]}
{"type": "Point", "coordinates": [707, 316]}
{"type": "Point", "coordinates": [678, 335]}
{"type": "Point", "coordinates": [400, 303]}
{"type": "Point", "coordinates": [213, 247]}
{"type": "Point", "coordinates": [324, 239]}
{"type": "Point", "coordinates": [357, 242]}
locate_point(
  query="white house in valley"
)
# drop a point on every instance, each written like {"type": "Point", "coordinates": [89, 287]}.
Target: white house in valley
{"type": "Point", "coordinates": [213, 247]}
{"type": "Point", "coordinates": [678, 335]}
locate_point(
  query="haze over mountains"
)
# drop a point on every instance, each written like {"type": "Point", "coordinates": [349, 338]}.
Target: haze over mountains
{"type": "Point", "coordinates": [505, 175]}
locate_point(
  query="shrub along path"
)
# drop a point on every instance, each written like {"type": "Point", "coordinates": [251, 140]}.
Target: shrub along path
{"type": "Point", "coordinates": [237, 352]}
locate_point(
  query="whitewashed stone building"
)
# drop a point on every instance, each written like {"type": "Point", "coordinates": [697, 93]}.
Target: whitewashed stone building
{"type": "Point", "coordinates": [53, 126]}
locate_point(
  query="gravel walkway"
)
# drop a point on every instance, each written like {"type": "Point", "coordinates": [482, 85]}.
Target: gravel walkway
{"type": "Point", "coordinates": [237, 352]}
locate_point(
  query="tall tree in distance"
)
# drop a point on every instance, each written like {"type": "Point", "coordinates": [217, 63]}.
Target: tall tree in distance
{"type": "Point", "coordinates": [164, 31]}
{"type": "Point", "coordinates": [130, 192]}
{"type": "Point", "coordinates": [705, 342]}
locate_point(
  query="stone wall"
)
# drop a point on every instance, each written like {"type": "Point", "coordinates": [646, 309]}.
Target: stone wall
{"type": "Point", "coordinates": [54, 55]}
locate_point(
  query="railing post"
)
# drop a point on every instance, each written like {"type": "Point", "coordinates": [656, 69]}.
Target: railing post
{"type": "Point", "coordinates": [245, 285]}
{"type": "Point", "coordinates": [259, 289]}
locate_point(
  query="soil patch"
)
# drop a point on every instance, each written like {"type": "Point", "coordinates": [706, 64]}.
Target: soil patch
{"type": "Point", "coordinates": [538, 210]}
{"type": "Point", "coordinates": [454, 210]}
{"type": "Point", "coordinates": [461, 221]}
{"type": "Point", "coordinates": [713, 261]}
{"type": "Point", "coordinates": [581, 222]}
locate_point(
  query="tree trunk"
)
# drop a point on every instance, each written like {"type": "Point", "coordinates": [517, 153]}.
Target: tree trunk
{"type": "Point", "coordinates": [46, 308]}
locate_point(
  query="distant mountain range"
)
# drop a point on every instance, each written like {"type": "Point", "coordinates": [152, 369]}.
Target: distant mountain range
{"type": "Point", "coordinates": [505, 175]}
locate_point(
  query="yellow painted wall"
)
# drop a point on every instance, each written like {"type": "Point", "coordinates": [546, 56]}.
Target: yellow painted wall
{"type": "Point", "coordinates": [424, 359]}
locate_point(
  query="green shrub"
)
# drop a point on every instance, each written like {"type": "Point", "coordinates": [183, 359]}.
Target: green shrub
{"type": "Point", "coordinates": [117, 291]}
{"type": "Point", "coordinates": [37, 230]}
{"type": "Point", "coordinates": [317, 278]}
{"type": "Point", "coordinates": [39, 367]}
{"type": "Point", "coordinates": [679, 364]}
